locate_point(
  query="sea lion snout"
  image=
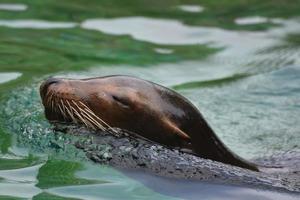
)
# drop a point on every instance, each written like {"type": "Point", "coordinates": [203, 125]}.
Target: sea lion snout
{"type": "Point", "coordinates": [45, 85]}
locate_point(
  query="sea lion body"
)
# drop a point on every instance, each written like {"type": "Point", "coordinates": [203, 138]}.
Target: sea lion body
{"type": "Point", "coordinates": [142, 107]}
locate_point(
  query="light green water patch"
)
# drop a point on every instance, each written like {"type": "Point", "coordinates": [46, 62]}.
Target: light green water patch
{"type": "Point", "coordinates": [255, 116]}
{"type": "Point", "coordinates": [289, 41]}
{"type": "Point", "coordinates": [57, 173]}
{"type": "Point", "coordinates": [216, 13]}
{"type": "Point", "coordinates": [289, 45]}
{"type": "Point", "coordinates": [287, 52]}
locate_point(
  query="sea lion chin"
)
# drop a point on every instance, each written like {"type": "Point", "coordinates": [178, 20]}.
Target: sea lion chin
{"type": "Point", "coordinates": [139, 106]}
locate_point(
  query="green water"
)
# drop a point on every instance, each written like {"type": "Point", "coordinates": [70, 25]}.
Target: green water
{"type": "Point", "coordinates": [237, 61]}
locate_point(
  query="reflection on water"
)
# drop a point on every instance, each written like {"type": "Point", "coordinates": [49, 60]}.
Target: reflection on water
{"type": "Point", "coordinates": [13, 7]}
{"type": "Point", "coordinates": [164, 51]}
{"type": "Point", "coordinates": [20, 182]}
{"type": "Point", "coordinates": [126, 190]}
{"type": "Point", "coordinates": [8, 76]}
{"type": "Point", "coordinates": [23, 183]}
{"type": "Point", "coordinates": [254, 20]}
{"type": "Point", "coordinates": [36, 24]}
{"type": "Point", "coordinates": [191, 8]}
{"type": "Point", "coordinates": [194, 190]}
{"type": "Point", "coordinates": [22, 190]}
{"type": "Point", "coordinates": [164, 31]}
{"type": "Point", "coordinates": [240, 47]}
{"type": "Point", "coordinates": [21, 175]}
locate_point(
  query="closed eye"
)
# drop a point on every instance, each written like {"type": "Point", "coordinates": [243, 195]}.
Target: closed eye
{"type": "Point", "coordinates": [122, 101]}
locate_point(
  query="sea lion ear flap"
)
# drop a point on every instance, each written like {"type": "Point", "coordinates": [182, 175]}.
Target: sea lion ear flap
{"type": "Point", "coordinates": [172, 126]}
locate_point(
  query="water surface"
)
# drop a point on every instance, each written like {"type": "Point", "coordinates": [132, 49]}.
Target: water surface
{"type": "Point", "coordinates": [238, 62]}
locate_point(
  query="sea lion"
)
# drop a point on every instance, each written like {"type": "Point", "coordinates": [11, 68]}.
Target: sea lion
{"type": "Point", "coordinates": [139, 106]}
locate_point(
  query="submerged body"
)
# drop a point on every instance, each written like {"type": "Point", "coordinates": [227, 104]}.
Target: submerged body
{"type": "Point", "coordinates": [142, 107]}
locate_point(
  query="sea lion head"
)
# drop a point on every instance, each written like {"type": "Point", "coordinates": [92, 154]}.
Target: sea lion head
{"type": "Point", "coordinates": [98, 103]}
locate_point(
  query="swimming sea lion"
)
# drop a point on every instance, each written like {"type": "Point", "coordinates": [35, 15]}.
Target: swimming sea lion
{"type": "Point", "coordinates": [142, 107]}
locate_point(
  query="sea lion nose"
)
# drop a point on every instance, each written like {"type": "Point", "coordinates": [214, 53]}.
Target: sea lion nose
{"type": "Point", "coordinates": [51, 80]}
{"type": "Point", "coordinates": [44, 86]}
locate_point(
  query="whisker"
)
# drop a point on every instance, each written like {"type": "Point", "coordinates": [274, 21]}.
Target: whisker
{"type": "Point", "coordinates": [50, 97]}
{"type": "Point", "coordinates": [87, 114]}
{"type": "Point", "coordinates": [63, 105]}
{"type": "Point", "coordinates": [62, 112]}
{"type": "Point", "coordinates": [90, 125]}
{"type": "Point", "coordinates": [80, 117]}
{"type": "Point", "coordinates": [77, 111]}
{"type": "Point", "coordinates": [88, 120]}
{"type": "Point", "coordinates": [92, 113]}
{"type": "Point", "coordinates": [88, 117]}
{"type": "Point", "coordinates": [52, 105]}
{"type": "Point", "coordinates": [71, 114]}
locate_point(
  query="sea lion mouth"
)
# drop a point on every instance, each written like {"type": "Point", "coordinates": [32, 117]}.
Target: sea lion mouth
{"type": "Point", "coordinates": [63, 106]}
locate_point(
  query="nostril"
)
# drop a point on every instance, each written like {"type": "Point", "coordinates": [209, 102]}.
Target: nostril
{"type": "Point", "coordinates": [51, 81]}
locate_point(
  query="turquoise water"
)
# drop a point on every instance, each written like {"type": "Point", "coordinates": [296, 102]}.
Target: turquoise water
{"type": "Point", "coordinates": [239, 66]}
